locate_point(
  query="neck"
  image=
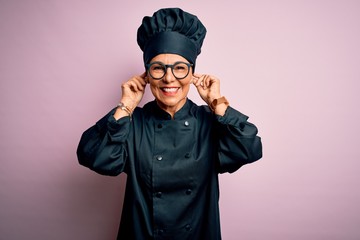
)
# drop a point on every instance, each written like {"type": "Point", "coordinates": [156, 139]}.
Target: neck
{"type": "Point", "coordinates": [172, 109]}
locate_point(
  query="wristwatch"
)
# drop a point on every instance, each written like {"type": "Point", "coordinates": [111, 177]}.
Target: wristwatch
{"type": "Point", "coordinates": [124, 108]}
{"type": "Point", "coordinates": [218, 101]}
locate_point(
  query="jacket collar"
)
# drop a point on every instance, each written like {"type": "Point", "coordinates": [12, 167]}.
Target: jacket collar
{"type": "Point", "coordinates": [160, 114]}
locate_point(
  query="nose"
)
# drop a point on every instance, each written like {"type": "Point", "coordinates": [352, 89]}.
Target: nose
{"type": "Point", "coordinates": [169, 76]}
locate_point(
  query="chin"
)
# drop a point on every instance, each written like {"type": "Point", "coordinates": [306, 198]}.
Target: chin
{"type": "Point", "coordinates": [171, 102]}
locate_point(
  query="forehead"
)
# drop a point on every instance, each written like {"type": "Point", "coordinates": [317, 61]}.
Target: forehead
{"type": "Point", "coordinates": [168, 58]}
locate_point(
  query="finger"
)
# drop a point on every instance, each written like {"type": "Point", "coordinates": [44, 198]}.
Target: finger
{"type": "Point", "coordinates": [141, 80]}
{"type": "Point", "coordinates": [131, 86]}
{"type": "Point", "coordinates": [143, 75]}
{"type": "Point", "coordinates": [135, 85]}
{"type": "Point", "coordinates": [201, 90]}
{"type": "Point", "coordinates": [197, 75]}
{"type": "Point", "coordinates": [196, 79]}
{"type": "Point", "coordinates": [139, 83]}
{"type": "Point", "coordinates": [209, 81]}
{"type": "Point", "coordinates": [206, 82]}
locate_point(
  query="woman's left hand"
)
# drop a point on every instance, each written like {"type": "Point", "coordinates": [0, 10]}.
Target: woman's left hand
{"type": "Point", "coordinates": [208, 87]}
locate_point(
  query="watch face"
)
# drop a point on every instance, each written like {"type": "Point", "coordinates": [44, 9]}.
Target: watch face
{"type": "Point", "coordinates": [124, 108]}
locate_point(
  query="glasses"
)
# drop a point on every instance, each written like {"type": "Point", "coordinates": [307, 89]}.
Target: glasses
{"type": "Point", "coordinates": [157, 70]}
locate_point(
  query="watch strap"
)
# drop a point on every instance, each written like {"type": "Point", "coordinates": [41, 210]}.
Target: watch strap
{"type": "Point", "coordinates": [218, 101]}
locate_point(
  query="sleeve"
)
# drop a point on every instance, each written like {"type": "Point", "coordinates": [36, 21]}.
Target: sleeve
{"type": "Point", "coordinates": [238, 141]}
{"type": "Point", "coordinates": [102, 147]}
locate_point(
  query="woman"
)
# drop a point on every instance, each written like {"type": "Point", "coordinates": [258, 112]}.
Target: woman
{"type": "Point", "coordinates": [171, 149]}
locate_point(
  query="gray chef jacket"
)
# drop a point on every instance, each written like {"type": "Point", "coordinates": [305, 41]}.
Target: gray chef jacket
{"type": "Point", "coordinates": [172, 166]}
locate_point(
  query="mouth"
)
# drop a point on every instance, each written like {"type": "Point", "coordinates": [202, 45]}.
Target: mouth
{"type": "Point", "coordinates": [169, 90]}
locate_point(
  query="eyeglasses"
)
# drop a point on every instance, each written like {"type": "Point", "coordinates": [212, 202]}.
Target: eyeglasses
{"type": "Point", "coordinates": [157, 70]}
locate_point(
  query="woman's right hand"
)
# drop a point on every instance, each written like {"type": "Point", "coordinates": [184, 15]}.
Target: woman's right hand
{"type": "Point", "coordinates": [133, 90]}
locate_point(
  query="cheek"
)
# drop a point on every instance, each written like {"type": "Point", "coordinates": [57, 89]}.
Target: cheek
{"type": "Point", "coordinates": [153, 85]}
{"type": "Point", "coordinates": [186, 88]}
{"type": "Point", "coordinates": [153, 89]}
{"type": "Point", "coordinates": [186, 84]}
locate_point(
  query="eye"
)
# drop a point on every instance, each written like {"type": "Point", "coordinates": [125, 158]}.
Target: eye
{"type": "Point", "coordinates": [157, 67]}
{"type": "Point", "coordinates": [180, 67]}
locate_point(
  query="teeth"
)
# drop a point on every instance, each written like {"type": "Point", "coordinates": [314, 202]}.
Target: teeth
{"type": "Point", "coordinates": [169, 89]}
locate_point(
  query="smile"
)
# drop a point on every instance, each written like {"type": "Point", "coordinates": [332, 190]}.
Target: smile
{"type": "Point", "coordinates": [170, 89]}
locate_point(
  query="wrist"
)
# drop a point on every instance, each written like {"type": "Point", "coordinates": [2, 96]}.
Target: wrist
{"type": "Point", "coordinates": [211, 99]}
{"type": "Point", "coordinates": [129, 103]}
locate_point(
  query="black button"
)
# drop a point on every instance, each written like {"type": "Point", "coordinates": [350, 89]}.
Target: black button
{"type": "Point", "coordinates": [188, 191]}
{"type": "Point", "coordinates": [159, 125]}
{"type": "Point", "coordinates": [188, 227]}
{"type": "Point", "coordinates": [187, 155]}
{"type": "Point", "coordinates": [158, 194]}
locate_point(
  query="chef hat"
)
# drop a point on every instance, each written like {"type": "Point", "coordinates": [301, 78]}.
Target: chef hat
{"type": "Point", "coordinates": [171, 30]}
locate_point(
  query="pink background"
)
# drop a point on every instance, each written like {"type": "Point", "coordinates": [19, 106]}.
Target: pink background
{"type": "Point", "coordinates": [292, 66]}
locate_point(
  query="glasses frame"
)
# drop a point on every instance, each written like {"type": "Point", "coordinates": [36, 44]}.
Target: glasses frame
{"type": "Point", "coordinates": [166, 66]}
